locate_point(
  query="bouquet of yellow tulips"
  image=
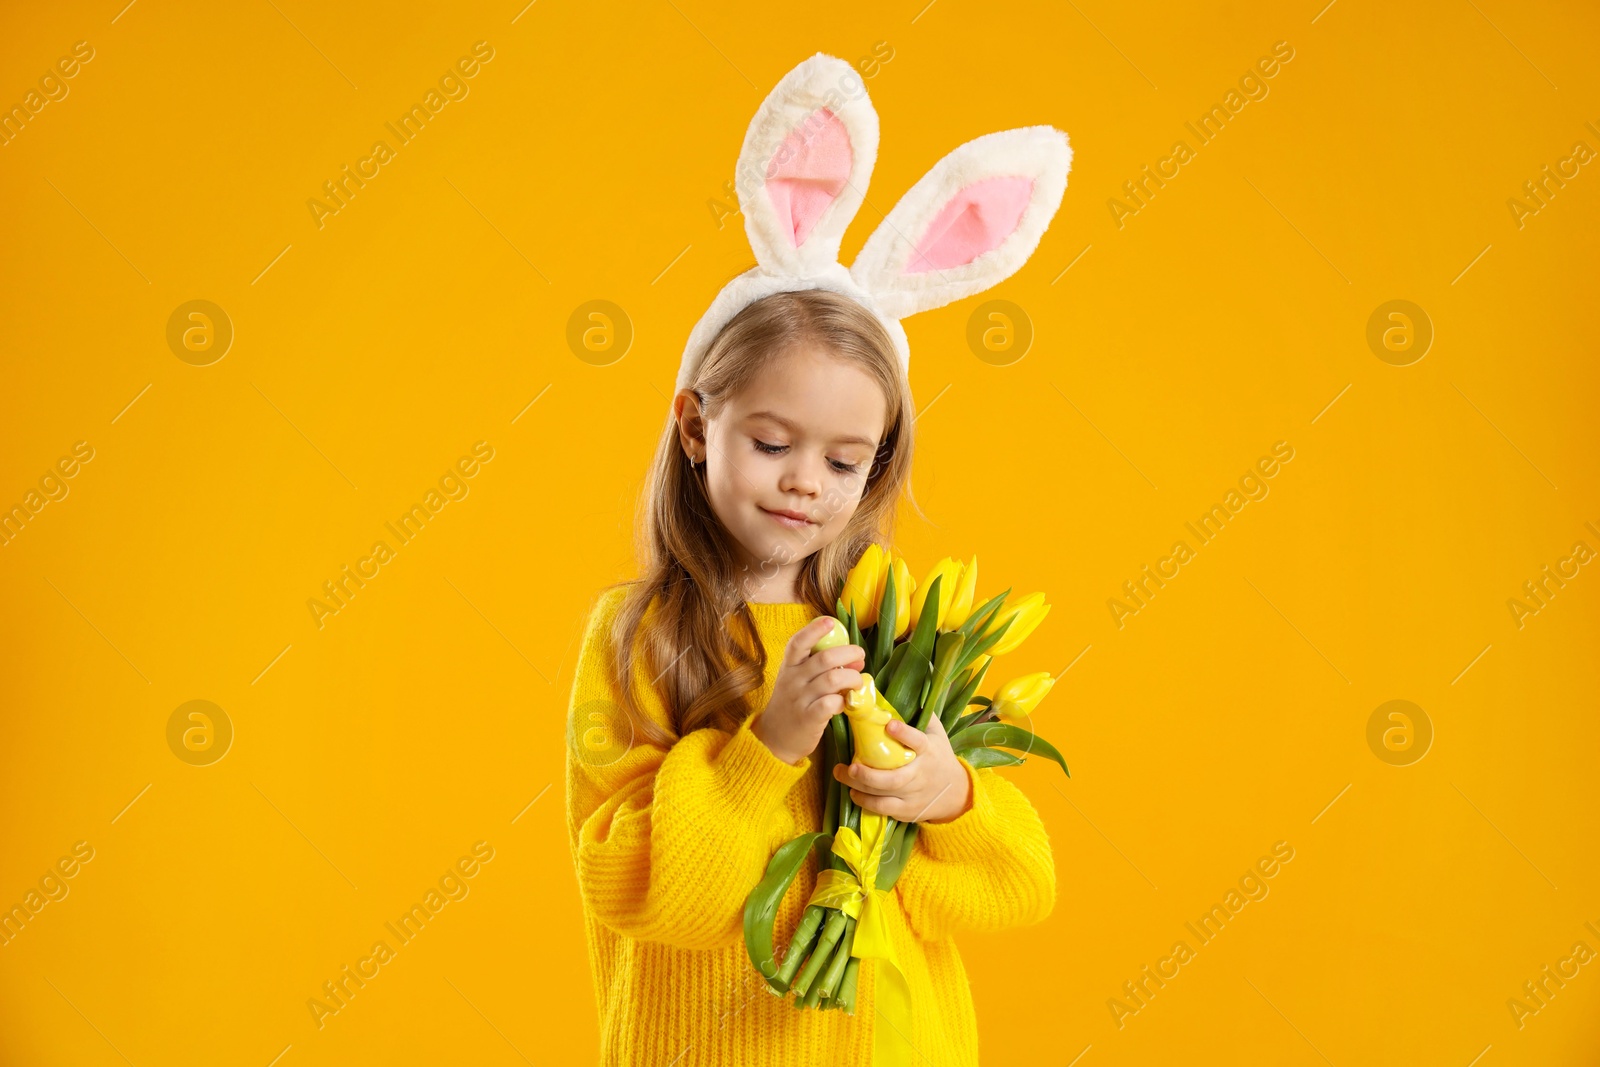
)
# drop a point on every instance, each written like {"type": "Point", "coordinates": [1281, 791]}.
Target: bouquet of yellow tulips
{"type": "Point", "coordinates": [923, 645]}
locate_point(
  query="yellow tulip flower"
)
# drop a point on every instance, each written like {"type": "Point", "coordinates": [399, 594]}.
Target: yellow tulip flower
{"type": "Point", "coordinates": [950, 571]}
{"type": "Point", "coordinates": [904, 584]}
{"type": "Point", "coordinates": [1029, 612]}
{"type": "Point", "coordinates": [1018, 697]}
{"type": "Point", "coordinates": [863, 587]}
{"type": "Point", "coordinates": [966, 585]}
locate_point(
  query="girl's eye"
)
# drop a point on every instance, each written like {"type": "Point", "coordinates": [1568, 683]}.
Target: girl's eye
{"type": "Point", "coordinates": [774, 450]}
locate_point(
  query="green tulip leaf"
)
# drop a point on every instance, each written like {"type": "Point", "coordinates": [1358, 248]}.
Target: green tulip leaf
{"type": "Point", "coordinates": [896, 850]}
{"type": "Point", "coordinates": [761, 906]}
{"type": "Point", "coordinates": [964, 723]}
{"type": "Point", "coordinates": [883, 678]}
{"type": "Point", "coordinates": [928, 621]}
{"type": "Point", "coordinates": [980, 615]}
{"type": "Point", "coordinates": [1005, 735]}
{"type": "Point", "coordinates": [887, 621]}
{"type": "Point", "coordinates": [989, 757]}
{"type": "Point", "coordinates": [961, 697]}
{"type": "Point", "coordinates": [906, 682]}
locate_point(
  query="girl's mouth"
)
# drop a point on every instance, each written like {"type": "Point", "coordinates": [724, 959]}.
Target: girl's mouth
{"type": "Point", "coordinates": [789, 520]}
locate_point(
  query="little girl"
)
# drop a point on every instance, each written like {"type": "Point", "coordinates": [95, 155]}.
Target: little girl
{"type": "Point", "coordinates": [698, 709]}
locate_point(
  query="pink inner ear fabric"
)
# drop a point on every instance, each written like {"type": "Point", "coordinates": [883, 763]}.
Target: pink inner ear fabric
{"type": "Point", "coordinates": [975, 221]}
{"type": "Point", "coordinates": [808, 172]}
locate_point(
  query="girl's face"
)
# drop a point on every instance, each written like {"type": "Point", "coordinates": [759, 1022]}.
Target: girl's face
{"type": "Point", "coordinates": [786, 462]}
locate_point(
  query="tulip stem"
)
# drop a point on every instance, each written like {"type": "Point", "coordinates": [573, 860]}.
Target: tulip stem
{"type": "Point", "coordinates": [842, 753]}
{"type": "Point", "coordinates": [819, 955]}
{"type": "Point", "coordinates": [804, 933]}
{"type": "Point", "coordinates": [846, 998]}
{"type": "Point", "coordinates": [948, 651]}
{"type": "Point", "coordinates": [830, 757]}
{"type": "Point", "coordinates": [841, 958]}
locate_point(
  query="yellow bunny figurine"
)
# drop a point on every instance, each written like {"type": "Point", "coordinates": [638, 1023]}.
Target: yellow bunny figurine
{"type": "Point", "coordinates": [869, 713]}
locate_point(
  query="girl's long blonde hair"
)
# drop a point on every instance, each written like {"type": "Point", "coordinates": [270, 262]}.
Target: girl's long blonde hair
{"type": "Point", "coordinates": [686, 614]}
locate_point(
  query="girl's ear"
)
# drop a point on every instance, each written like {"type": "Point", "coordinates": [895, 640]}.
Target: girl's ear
{"type": "Point", "coordinates": [804, 166]}
{"type": "Point", "coordinates": [691, 423]}
{"type": "Point", "coordinates": [969, 223]}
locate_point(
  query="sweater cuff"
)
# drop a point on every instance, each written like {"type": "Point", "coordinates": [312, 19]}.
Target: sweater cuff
{"type": "Point", "coordinates": [754, 776]}
{"type": "Point", "coordinates": [969, 836]}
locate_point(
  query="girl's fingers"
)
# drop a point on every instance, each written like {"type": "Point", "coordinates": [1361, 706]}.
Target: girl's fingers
{"type": "Point", "coordinates": [875, 781]}
{"type": "Point", "coordinates": [840, 679]}
{"type": "Point", "coordinates": [804, 639]}
{"type": "Point", "coordinates": [830, 659]}
{"type": "Point", "coordinates": [889, 807]}
{"type": "Point", "coordinates": [909, 736]}
{"type": "Point", "coordinates": [832, 680]}
{"type": "Point", "coordinates": [826, 706]}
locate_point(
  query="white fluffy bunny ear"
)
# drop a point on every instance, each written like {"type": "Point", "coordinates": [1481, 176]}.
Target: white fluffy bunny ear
{"type": "Point", "coordinates": [969, 223]}
{"type": "Point", "coordinates": [804, 166]}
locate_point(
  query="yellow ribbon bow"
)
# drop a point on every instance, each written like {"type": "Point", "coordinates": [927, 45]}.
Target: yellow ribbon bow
{"type": "Point", "coordinates": [855, 892]}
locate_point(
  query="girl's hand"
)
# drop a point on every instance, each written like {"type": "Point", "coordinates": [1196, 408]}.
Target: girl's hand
{"type": "Point", "coordinates": [808, 692]}
{"type": "Point", "coordinates": [934, 787]}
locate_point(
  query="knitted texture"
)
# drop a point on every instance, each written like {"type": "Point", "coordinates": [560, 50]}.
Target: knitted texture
{"type": "Point", "coordinates": [667, 843]}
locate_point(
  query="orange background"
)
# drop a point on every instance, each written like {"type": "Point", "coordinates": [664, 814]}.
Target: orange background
{"type": "Point", "coordinates": [431, 313]}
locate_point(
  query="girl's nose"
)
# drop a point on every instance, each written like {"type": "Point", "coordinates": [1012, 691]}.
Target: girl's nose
{"type": "Point", "coordinates": [804, 475]}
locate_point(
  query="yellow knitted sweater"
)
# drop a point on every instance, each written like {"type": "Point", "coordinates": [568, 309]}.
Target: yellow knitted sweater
{"type": "Point", "coordinates": [667, 842]}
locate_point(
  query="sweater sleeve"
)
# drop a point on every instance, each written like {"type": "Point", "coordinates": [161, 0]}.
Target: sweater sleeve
{"type": "Point", "coordinates": [989, 869]}
{"type": "Point", "coordinates": [667, 842]}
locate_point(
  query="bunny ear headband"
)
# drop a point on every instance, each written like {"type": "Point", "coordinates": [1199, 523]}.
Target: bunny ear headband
{"type": "Point", "coordinates": [967, 225]}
